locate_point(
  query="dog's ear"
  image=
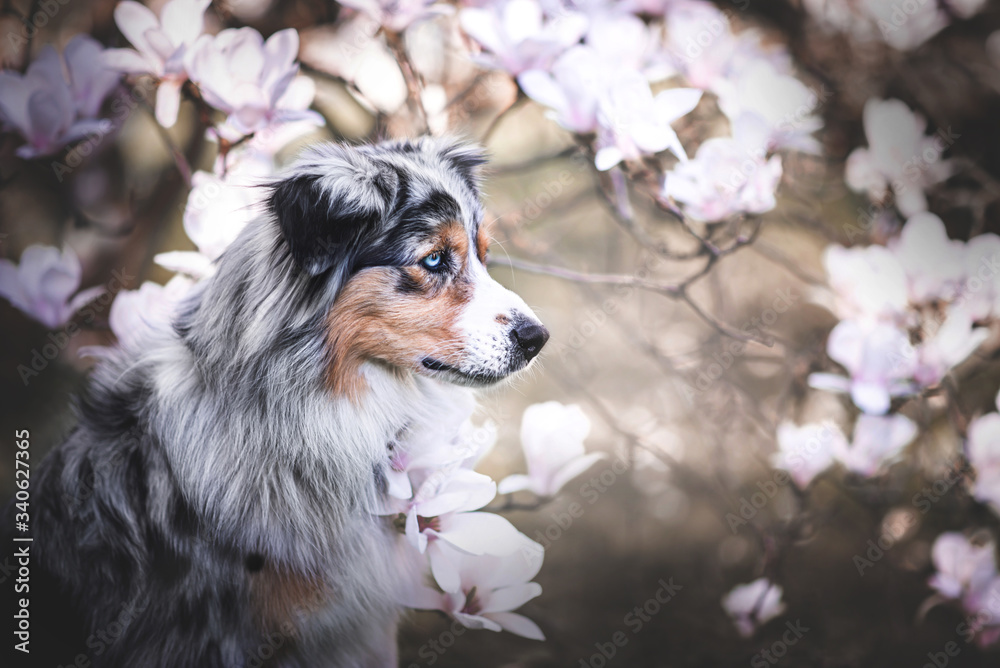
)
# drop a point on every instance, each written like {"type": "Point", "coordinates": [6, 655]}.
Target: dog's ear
{"type": "Point", "coordinates": [330, 199]}
{"type": "Point", "coordinates": [466, 159]}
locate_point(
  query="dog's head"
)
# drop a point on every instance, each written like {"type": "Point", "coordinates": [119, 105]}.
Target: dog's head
{"type": "Point", "coordinates": [399, 229]}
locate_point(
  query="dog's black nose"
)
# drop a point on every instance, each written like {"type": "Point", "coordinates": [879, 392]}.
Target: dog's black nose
{"type": "Point", "coordinates": [530, 337]}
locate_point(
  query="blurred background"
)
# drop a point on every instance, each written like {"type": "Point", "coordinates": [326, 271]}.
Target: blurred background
{"type": "Point", "coordinates": [644, 293]}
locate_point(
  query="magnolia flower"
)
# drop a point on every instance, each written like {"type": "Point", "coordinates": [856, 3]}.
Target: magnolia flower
{"type": "Point", "coordinates": [953, 341]}
{"type": "Point", "coordinates": [753, 605]}
{"type": "Point", "coordinates": [962, 567]}
{"type": "Point", "coordinates": [160, 47]}
{"type": "Point", "coordinates": [552, 437]}
{"type": "Point", "coordinates": [727, 177]}
{"type": "Point", "coordinates": [398, 15]}
{"type": "Point", "coordinates": [896, 157]}
{"type": "Point", "coordinates": [45, 284]}
{"type": "Point", "coordinates": [217, 210]}
{"type": "Point", "coordinates": [869, 282]}
{"type": "Point", "coordinates": [621, 40]}
{"type": "Point", "coordinates": [489, 588]}
{"type": "Point", "coordinates": [935, 265]}
{"type": "Point", "coordinates": [137, 313]}
{"type": "Point", "coordinates": [700, 42]}
{"type": "Point", "coordinates": [90, 79]}
{"type": "Point", "coordinates": [634, 123]}
{"type": "Point", "coordinates": [44, 107]}
{"type": "Point", "coordinates": [573, 88]}
{"type": "Point", "coordinates": [807, 451]}
{"type": "Point", "coordinates": [879, 359]}
{"type": "Point", "coordinates": [775, 99]}
{"type": "Point", "coordinates": [906, 30]}
{"type": "Point", "coordinates": [983, 450]}
{"type": "Point", "coordinates": [517, 36]}
{"type": "Point", "coordinates": [877, 441]}
{"type": "Point", "coordinates": [239, 73]}
{"type": "Point", "coordinates": [441, 515]}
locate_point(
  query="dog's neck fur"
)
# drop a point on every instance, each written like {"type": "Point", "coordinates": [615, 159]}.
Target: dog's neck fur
{"type": "Point", "coordinates": [281, 467]}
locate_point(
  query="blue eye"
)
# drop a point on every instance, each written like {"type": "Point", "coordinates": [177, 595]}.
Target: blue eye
{"type": "Point", "coordinates": [433, 261]}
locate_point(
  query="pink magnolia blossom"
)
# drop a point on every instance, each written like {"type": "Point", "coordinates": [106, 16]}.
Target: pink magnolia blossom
{"type": "Point", "coordinates": [774, 98]}
{"type": "Point", "coordinates": [621, 40]}
{"type": "Point", "coordinates": [489, 588]}
{"type": "Point", "coordinates": [880, 360]}
{"type": "Point", "coordinates": [983, 451]}
{"type": "Point", "coordinates": [752, 605]}
{"type": "Point", "coordinates": [46, 284]}
{"type": "Point", "coordinates": [962, 567]}
{"type": "Point", "coordinates": [442, 513]}
{"type": "Point", "coordinates": [700, 42]}
{"type": "Point", "coordinates": [967, 573]}
{"type": "Point", "coordinates": [217, 210]}
{"type": "Point", "coordinates": [935, 265]}
{"type": "Point", "coordinates": [90, 79]}
{"type": "Point", "coordinates": [950, 344]}
{"type": "Point", "coordinates": [727, 177]}
{"type": "Point", "coordinates": [869, 282]}
{"type": "Point", "coordinates": [240, 74]}
{"type": "Point", "coordinates": [398, 15]}
{"type": "Point", "coordinates": [518, 37]}
{"type": "Point", "coordinates": [160, 47]}
{"type": "Point", "coordinates": [552, 437]}
{"type": "Point", "coordinates": [877, 441]}
{"type": "Point", "coordinates": [137, 313]}
{"type": "Point", "coordinates": [896, 157]}
{"type": "Point", "coordinates": [49, 110]}
{"type": "Point", "coordinates": [633, 123]}
{"type": "Point", "coordinates": [808, 450]}
{"type": "Point", "coordinates": [573, 88]}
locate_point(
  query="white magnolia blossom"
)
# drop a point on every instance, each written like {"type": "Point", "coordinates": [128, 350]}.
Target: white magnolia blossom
{"type": "Point", "coordinates": [869, 283]}
{"type": "Point", "coordinates": [983, 451]}
{"type": "Point", "coordinates": [489, 588]}
{"type": "Point", "coordinates": [573, 88]}
{"type": "Point", "coordinates": [967, 573]}
{"type": "Point", "coordinates": [57, 99]}
{"type": "Point", "coordinates": [160, 47]}
{"type": "Point", "coordinates": [727, 177]}
{"type": "Point", "coordinates": [752, 605]}
{"type": "Point", "coordinates": [135, 314]}
{"type": "Point", "coordinates": [899, 157]}
{"type": "Point", "coordinates": [877, 441]}
{"type": "Point", "coordinates": [46, 284]}
{"type": "Point", "coordinates": [552, 437]}
{"type": "Point", "coordinates": [217, 210]}
{"type": "Point", "coordinates": [777, 100]}
{"type": "Point", "coordinates": [632, 122]}
{"type": "Point", "coordinates": [248, 78]}
{"type": "Point", "coordinates": [880, 360]}
{"type": "Point", "coordinates": [517, 35]}
{"type": "Point", "coordinates": [808, 450]}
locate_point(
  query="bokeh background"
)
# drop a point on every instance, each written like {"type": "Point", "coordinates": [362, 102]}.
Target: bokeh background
{"type": "Point", "coordinates": [690, 452]}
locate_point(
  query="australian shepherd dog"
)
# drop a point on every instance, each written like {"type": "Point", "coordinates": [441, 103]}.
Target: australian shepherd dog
{"type": "Point", "coordinates": [217, 503]}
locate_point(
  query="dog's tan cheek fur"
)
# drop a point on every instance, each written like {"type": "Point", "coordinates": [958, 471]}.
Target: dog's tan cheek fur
{"type": "Point", "coordinates": [278, 597]}
{"type": "Point", "coordinates": [374, 319]}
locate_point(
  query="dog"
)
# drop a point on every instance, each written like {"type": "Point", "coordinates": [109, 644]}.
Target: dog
{"type": "Point", "coordinates": [217, 503]}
